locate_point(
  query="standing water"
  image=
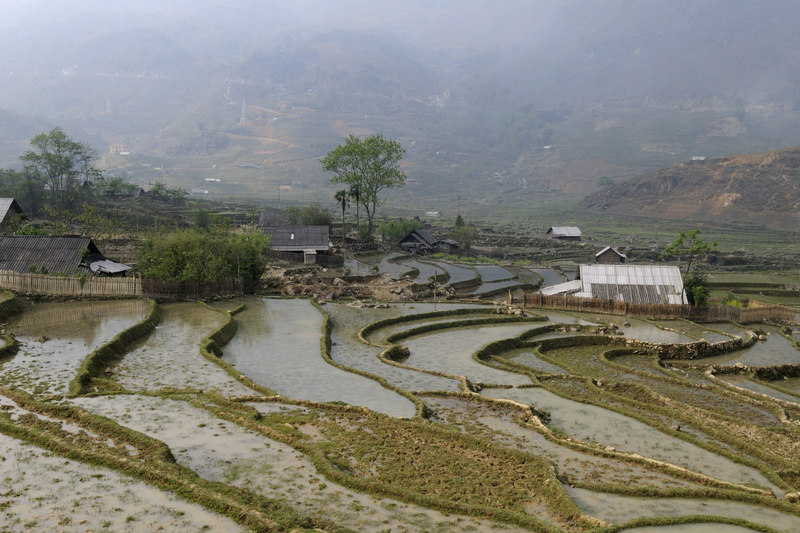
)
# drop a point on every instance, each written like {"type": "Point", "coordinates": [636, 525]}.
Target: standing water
{"type": "Point", "coordinates": [278, 346]}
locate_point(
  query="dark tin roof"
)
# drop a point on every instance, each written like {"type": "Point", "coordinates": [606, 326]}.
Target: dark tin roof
{"type": "Point", "coordinates": [297, 238]}
{"type": "Point", "coordinates": [421, 237]}
{"type": "Point", "coordinates": [47, 254]}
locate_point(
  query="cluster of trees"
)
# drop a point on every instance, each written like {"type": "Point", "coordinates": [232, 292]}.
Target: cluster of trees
{"type": "Point", "coordinates": [59, 180]}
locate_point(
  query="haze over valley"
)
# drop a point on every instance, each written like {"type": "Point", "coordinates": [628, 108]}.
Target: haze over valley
{"type": "Point", "coordinates": [500, 104]}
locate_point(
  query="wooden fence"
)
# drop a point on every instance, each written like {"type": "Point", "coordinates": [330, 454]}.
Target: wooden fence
{"type": "Point", "coordinates": [596, 305]}
{"type": "Point", "coordinates": [755, 312]}
{"type": "Point", "coordinates": [93, 286]}
{"type": "Point", "coordinates": [89, 286]}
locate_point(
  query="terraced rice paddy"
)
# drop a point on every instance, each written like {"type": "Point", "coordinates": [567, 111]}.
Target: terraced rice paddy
{"type": "Point", "coordinates": [286, 416]}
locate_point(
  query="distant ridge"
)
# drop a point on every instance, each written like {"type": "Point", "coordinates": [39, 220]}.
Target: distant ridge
{"type": "Point", "coordinates": [762, 188]}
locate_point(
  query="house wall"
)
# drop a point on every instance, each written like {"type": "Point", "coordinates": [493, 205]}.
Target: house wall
{"type": "Point", "coordinates": [610, 258]}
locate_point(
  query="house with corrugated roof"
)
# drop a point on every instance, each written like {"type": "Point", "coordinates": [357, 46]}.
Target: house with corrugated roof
{"type": "Point", "coordinates": [64, 255]}
{"type": "Point", "coordinates": [306, 242]}
{"type": "Point", "coordinates": [635, 284]}
{"type": "Point", "coordinates": [10, 211]}
{"type": "Point", "coordinates": [564, 233]}
{"type": "Point", "coordinates": [422, 241]}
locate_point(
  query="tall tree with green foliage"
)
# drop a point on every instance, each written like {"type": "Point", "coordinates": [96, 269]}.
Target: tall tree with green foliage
{"type": "Point", "coordinates": [371, 164]}
{"type": "Point", "coordinates": [689, 245]}
{"type": "Point", "coordinates": [466, 235]}
{"type": "Point", "coordinates": [62, 165]}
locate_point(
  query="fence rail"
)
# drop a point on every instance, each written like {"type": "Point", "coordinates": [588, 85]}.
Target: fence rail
{"type": "Point", "coordinates": [92, 286]}
{"type": "Point", "coordinates": [756, 312]}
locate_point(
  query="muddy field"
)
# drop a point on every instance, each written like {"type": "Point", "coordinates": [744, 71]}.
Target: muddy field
{"type": "Point", "coordinates": [285, 415]}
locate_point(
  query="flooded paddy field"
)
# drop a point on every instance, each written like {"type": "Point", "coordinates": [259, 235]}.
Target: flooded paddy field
{"type": "Point", "coordinates": [278, 347]}
{"type": "Point", "coordinates": [761, 388]}
{"type": "Point", "coordinates": [774, 350]}
{"type": "Point", "coordinates": [293, 426]}
{"type": "Point", "coordinates": [457, 273]}
{"type": "Point", "coordinates": [55, 338]}
{"type": "Point", "coordinates": [170, 357]}
{"type": "Point", "coordinates": [617, 509]}
{"type": "Point", "coordinates": [44, 492]}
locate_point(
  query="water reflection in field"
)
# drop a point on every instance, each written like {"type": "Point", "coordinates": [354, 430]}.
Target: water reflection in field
{"type": "Point", "coordinates": [775, 350]}
{"type": "Point", "coordinates": [45, 492]}
{"type": "Point", "coordinates": [170, 357]}
{"type": "Point", "coordinates": [746, 383]}
{"type": "Point", "coordinates": [617, 509]}
{"type": "Point", "coordinates": [278, 346]}
{"type": "Point", "coordinates": [457, 273]}
{"type": "Point", "coordinates": [595, 424]}
{"type": "Point", "coordinates": [56, 337]}
{"type": "Point", "coordinates": [525, 356]}
{"type": "Point", "coordinates": [428, 272]}
{"type": "Point", "coordinates": [491, 273]}
{"type": "Point", "coordinates": [349, 351]}
{"type": "Point", "coordinates": [451, 352]}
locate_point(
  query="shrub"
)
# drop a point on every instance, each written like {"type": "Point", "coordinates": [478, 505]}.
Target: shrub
{"type": "Point", "coordinates": [198, 256]}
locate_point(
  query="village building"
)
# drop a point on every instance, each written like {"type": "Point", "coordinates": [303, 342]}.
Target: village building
{"type": "Point", "coordinates": [300, 243]}
{"type": "Point", "coordinates": [609, 256]}
{"type": "Point", "coordinates": [63, 255]}
{"type": "Point", "coordinates": [423, 242]}
{"type": "Point", "coordinates": [10, 211]}
{"type": "Point", "coordinates": [635, 284]}
{"type": "Point", "coordinates": [564, 233]}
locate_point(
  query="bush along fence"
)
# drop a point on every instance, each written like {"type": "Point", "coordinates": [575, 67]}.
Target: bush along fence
{"type": "Point", "coordinates": [95, 286]}
{"type": "Point", "coordinates": [755, 312]}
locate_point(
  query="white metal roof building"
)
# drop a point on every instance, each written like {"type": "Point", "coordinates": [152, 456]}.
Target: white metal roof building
{"type": "Point", "coordinates": [641, 284]}
{"type": "Point", "coordinates": [565, 232]}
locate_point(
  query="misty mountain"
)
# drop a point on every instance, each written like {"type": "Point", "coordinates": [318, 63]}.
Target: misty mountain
{"type": "Point", "coordinates": [499, 100]}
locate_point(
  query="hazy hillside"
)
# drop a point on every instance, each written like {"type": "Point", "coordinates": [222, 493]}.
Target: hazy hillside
{"type": "Point", "coordinates": [756, 188]}
{"type": "Point", "coordinates": [492, 100]}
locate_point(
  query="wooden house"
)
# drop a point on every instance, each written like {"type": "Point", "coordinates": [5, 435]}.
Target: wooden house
{"type": "Point", "coordinates": [422, 241]}
{"type": "Point", "coordinates": [64, 255]}
{"type": "Point", "coordinates": [564, 233]}
{"type": "Point", "coordinates": [609, 256]}
{"type": "Point", "coordinates": [299, 243]}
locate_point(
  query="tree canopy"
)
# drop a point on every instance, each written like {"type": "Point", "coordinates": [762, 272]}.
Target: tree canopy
{"type": "Point", "coordinates": [60, 164]}
{"type": "Point", "coordinates": [200, 256]}
{"type": "Point", "coordinates": [689, 244]}
{"type": "Point", "coordinates": [368, 165]}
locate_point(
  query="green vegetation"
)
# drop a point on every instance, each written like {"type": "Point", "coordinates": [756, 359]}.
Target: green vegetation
{"type": "Point", "coordinates": [393, 230]}
{"type": "Point", "coordinates": [60, 164]}
{"type": "Point", "coordinates": [204, 257]}
{"type": "Point", "coordinates": [311, 215]}
{"type": "Point", "coordinates": [367, 166]}
{"type": "Point", "coordinates": [689, 245]}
